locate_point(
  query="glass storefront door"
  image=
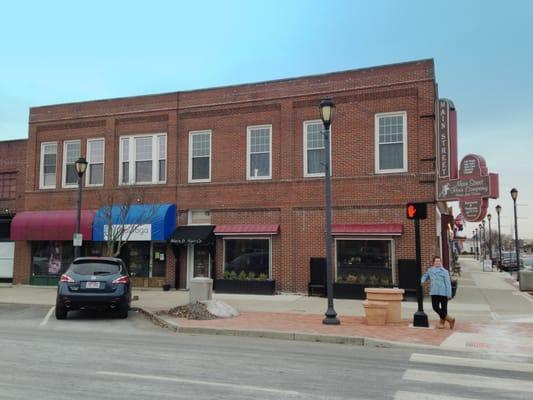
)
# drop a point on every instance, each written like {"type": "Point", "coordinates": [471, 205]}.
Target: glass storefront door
{"type": "Point", "coordinates": [199, 261]}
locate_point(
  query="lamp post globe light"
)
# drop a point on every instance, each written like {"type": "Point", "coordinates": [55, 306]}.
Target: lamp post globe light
{"type": "Point", "coordinates": [498, 211]}
{"type": "Point", "coordinates": [489, 217]}
{"type": "Point", "coordinates": [327, 113]}
{"type": "Point", "coordinates": [81, 166]}
{"type": "Point", "coordinates": [514, 195]}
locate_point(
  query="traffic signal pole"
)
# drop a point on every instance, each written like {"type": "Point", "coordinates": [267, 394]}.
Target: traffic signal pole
{"type": "Point", "coordinates": [420, 318]}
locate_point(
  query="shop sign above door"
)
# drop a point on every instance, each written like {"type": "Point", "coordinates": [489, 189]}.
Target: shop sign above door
{"type": "Point", "coordinates": [130, 232]}
{"type": "Point", "coordinates": [474, 186]}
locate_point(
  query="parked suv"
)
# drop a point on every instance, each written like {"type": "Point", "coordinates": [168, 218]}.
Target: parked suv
{"type": "Point", "coordinates": [94, 283]}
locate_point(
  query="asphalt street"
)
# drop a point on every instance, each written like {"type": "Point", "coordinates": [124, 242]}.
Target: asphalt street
{"type": "Point", "coordinates": [89, 356]}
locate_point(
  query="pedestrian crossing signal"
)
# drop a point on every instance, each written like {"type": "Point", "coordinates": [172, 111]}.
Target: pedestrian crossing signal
{"type": "Point", "coordinates": [416, 211]}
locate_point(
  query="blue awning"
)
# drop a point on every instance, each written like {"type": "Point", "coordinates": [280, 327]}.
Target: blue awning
{"type": "Point", "coordinates": [136, 222]}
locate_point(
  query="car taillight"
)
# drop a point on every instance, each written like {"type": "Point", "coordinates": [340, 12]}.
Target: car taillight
{"type": "Point", "coordinates": [66, 278]}
{"type": "Point", "coordinates": [122, 279]}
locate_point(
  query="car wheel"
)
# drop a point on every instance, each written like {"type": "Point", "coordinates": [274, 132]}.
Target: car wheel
{"type": "Point", "coordinates": [123, 310]}
{"type": "Point", "coordinates": [61, 311]}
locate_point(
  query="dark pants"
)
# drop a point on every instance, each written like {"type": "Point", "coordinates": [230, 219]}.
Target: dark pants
{"type": "Point", "coordinates": [440, 305]}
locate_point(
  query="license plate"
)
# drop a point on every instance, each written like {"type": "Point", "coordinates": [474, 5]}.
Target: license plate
{"type": "Point", "coordinates": [92, 285]}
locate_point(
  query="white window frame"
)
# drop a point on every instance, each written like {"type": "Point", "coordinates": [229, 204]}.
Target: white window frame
{"type": "Point", "coordinates": [195, 133]}
{"type": "Point", "coordinates": [189, 216]}
{"type": "Point", "coordinates": [249, 153]}
{"type": "Point", "coordinates": [64, 183]}
{"type": "Point", "coordinates": [41, 168]}
{"type": "Point", "coordinates": [132, 159]}
{"type": "Point", "coordinates": [269, 238]}
{"type": "Point", "coordinates": [392, 244]}
{"type": "Point", "coordinates": [403, 114]}
{"type": "Point", "coordinates": [317, 174]}
{"type": "Point", "coordinates": [89, 162]}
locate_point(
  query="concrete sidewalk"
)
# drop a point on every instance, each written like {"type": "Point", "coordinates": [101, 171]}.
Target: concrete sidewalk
{"type": "Point", "coordinates": [492, 315]}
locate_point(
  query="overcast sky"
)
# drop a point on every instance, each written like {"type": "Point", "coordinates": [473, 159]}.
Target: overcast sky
{"type": "Point", "coordinates": [66, 51]}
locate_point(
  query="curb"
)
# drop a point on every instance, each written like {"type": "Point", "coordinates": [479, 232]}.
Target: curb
{"type": "Point", "coordinates": [295, 336]}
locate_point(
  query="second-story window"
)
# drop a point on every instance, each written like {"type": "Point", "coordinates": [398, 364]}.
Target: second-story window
{"type": "Point", "coordinates": [200, 156]}
{"type": "Point", "coordinates": [259, 157]}
{"type": "Point", "coordinates": [48, 165]}
{"type": "Point", "coordinates": [143, 159]}
{"type": "Point", "coordinates": [314, 148]}
{"type": "Point", "coordinates": [71, 152]}
{"type": "Point", "coordinates": [391, 149]}
{"type": "Point", "coordinates": [95, 158]}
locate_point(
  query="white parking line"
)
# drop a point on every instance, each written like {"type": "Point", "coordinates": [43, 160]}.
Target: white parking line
{"type": "Point", "coordinates": [47, 317]}
{"type": "Point", "coordinates": [197, 382]}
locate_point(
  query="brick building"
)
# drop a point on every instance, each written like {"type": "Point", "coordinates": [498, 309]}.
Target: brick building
{"type": "Point", "coordinates": [237, 173]}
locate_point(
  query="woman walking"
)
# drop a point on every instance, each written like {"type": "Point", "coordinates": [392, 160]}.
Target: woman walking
{"type": "Point", "coordinates": [440, 291]}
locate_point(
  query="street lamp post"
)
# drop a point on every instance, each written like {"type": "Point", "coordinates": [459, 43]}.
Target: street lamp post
{"type": "Point", "coordinates": [481, 257]}
{"type": "Point", "coordinates": [489, 217]}
{"type": "Point", "coordinates": [327, 112]}
{"type": "Point", "coordinates": [514, 195]}
{"type": "Point", "coordinates": [477, 244]}
{"type": "Point", "coordinates": [484, 241]}
{"type": "Point", "coordinates": [474, 240]}
{"type": "Point", "coordinates": [81, 166]}
{"type": "Point", "coordinates": [498, 211]}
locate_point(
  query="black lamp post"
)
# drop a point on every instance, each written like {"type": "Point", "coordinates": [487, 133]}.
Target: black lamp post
{"type": "Point", "coordinates": [498, 211]}
{"type": "Point", "coordinates": [481, 256]}
{"type": "Point", "coordinates": [489, 217]}
{"type": "Point", "coordinates": [514, 195]}
{"type": "Point", "coordinates": [474, 239]}
{"type": "Point", "coordinates": [477, 244]}
{"type": "Point", "coordinates": [484, 240]}
{"type": "Point", "coordinates": [81, 166]}
{"type": "Point", "coordinates": [327, 112]}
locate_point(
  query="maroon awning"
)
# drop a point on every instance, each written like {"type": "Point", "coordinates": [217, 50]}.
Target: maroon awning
{"type": "Point", "coordinates": [246, 229]}
{"type": "Point", "coordinates": [51, 225]}
{"type": "Point", "coordinates": [367, 229]}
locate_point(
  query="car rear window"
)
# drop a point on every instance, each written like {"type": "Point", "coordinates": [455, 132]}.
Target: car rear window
{"type": "Point", "coordinates": [95, 268]}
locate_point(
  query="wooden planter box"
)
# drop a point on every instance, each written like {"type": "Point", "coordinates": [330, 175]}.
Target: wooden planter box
{"type": "Point", "coordinates": [236, 286]}
{"type": "Point", "coordinates": [352, 291]}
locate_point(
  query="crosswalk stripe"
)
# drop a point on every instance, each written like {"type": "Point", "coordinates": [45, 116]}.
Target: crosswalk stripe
{"type": "Point", "coordinates": [472, 381]}
{"type": "Point", "coordinates": [402, 395]}
{"type": "Point", "coordinates": [471, 362]}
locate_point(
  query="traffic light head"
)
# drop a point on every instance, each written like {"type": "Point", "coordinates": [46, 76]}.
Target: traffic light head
{"type": "Point", "coordinates": [416, 211]}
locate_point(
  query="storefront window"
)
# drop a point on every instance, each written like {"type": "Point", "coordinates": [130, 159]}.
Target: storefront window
{"type": "Point", "coordinates": [367, 262]}
{"type": "Point", "coordinates": [247, 257]}
{"type": "Point", "coordinates": [51, 257]}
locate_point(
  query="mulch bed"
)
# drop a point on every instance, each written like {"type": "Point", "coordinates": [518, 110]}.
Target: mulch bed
{"type": "Point", "coordinates": [197, 311]}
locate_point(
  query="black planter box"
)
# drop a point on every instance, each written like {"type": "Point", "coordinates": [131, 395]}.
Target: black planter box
{"type": "Point", "coordinates": [353, 291]}
{"type": "Point", "coordinates": [349, 291]}
{"type": "Point", "coordinates": [236, 286]}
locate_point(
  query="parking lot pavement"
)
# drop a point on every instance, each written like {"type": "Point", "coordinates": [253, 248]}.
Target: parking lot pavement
{"type": "Point", "coordinates": [22, 316]}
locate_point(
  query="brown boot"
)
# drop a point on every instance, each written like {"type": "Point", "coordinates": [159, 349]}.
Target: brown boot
{"type": "Point", "coordinates": [441, 324]}
{"type": "Point", "coordinates": [451, 321]}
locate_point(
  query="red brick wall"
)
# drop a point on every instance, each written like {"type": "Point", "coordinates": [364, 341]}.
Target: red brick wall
{"type": "Point", "coordinates": [13, 161]}
{"type": "Point", "coordinates": [288, 199]}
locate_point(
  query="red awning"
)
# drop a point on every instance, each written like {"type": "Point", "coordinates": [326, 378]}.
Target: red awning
{"type": "Point", "coordinates": [51, 225]}
{"type": "Point", "coordinates": [367, 229]}
{"type": "Point", "coordinates": [246, 229]}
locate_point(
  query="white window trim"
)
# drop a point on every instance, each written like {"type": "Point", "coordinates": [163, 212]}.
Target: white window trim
{"type": "Point", "coordinates": [317, 174]}
{"type": "Point", "coordinates": [89, 163]}
{"type": "Point", "coordinates": [392, 244]}
{"type": "Point", "coordinates": [249, 154]}
{"type": "Point", "coordinates": [41, 167]}
{"type": "Point", "coordinates": [191, 134]}
{"type": "Point", "coordinates": [64, 167]}
{"type": "Point", "coordinates": [189, 216]}
{"type": "Point", "coordinates": [376, 142]}
{"type": "Point", "coordinates": [132, 160]}
{"type": "Point", "coordinates": [269, 238]}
